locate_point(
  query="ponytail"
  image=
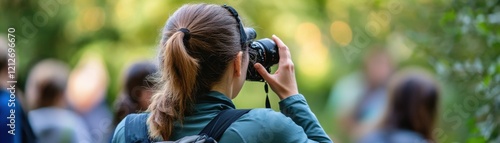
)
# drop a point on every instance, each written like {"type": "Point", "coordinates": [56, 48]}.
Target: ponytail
{"type": "Point", "coordinates": [179, 75]}
{"type": "Point", "coordinates": [198, 43]}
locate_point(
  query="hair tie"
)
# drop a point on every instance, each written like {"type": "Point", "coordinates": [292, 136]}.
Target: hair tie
{"type": "Point", "coordinates": [187, 35]}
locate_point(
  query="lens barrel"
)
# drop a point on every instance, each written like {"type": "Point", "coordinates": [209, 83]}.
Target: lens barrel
{"type": "Point", "coordinates": [265, 52]}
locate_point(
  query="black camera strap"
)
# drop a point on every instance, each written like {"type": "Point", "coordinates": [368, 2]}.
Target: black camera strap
{"type": "Point", "coordinates": [266, 88]}
{"type": "Point", "coordinates": [243, 37]}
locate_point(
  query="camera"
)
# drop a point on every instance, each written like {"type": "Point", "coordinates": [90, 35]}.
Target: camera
{"type": "Point", "coordinates": [263, 51]}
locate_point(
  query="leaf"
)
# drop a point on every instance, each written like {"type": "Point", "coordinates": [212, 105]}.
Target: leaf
{"type": "Point", "coordinates": [478, 66]}
{"type": "Point", "coordinates": [483, 111]}
{"type": "Point", "coordinates": [486, 127]}
{"type": "Point", "coordinates": [494, 18]}
{"type": "Point", "coordinates": [491, 70]}
{"type": "Point", "coordinates": [496, 140]}
{"type": "Point", "coordinates": [476, 140]}
{"type": "Point", "coordinates": [482, 28]}
{"type": "Point", "coordinates": [447, 17]}
{"type": "Point", "coordinates": [458, 67]}
{"type": "Point", "coordinates": [492, 92]}
{"type": "Point", "coordinates": [486, 81]}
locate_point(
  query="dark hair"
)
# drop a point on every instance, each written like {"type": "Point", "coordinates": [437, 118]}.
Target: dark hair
{"type": "Point", "coordinates": [413, 103]}
{"type": "Point", "coordinates": [191, 61]}
{"type": "Point", "coordinates": [3, 61]}
{"type": "Point", "coordinates": [47, 83]}
{"type": "Point", "coordinates": [3, 54]}
{"type": "Point", "coordinates": [136, 80]}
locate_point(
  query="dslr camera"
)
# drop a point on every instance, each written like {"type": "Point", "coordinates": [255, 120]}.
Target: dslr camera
{"type": "Point", "coordinates": [263, 51]}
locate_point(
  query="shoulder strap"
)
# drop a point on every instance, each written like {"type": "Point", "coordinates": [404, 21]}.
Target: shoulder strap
{"type": "Point", "coordinates": [221, 122]}
{"type": "Point", "coordinates": [136, 130]}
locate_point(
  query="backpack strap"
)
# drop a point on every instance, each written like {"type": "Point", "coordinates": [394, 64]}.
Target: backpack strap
{"type": "Point", "coordinates": [221, 122]}
{"type": "Point", "coordinates": [136, 129]}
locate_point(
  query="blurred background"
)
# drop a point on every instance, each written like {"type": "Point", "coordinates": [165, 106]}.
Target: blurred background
{"type": "Point", "coordinates": [344, 52]}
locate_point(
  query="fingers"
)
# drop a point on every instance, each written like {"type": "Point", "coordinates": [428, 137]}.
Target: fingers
{"type": "Point", "coordinates": [263, 72]}
{"type": "Point", "coordinates": [284, 52]}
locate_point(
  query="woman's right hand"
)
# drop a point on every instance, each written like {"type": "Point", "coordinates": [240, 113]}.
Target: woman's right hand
{"type": "Point", "coordinates": [283, 81]}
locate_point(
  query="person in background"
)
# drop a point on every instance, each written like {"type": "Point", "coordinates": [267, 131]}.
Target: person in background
{"type": "Point", "coordinates": [357, 100]}
{"type": "Point", "coordinates": [411, 112]}
{"type": "Point", "coordinates": [87, 86]}
{"type": "Point", "coordinates": [11, 99]}
{"type": "Point", "coordinates": [45, 90]}
{"type": "Point", "coordinates": [137, 90]}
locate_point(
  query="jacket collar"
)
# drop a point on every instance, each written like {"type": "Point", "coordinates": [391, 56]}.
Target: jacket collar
{"type": "Point", "coordinates": [213, 101]}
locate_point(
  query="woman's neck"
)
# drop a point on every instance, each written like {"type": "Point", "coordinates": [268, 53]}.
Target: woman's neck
{"type": "Point", "coordinates": [224, 86]}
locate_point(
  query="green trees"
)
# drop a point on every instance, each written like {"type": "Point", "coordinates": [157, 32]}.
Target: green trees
{"type": "Point", "coordinates": [463, 46]}
{"type": "Point", "coordinates": [457, 39]}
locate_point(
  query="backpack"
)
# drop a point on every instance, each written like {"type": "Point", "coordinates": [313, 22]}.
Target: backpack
{"type": "Point", "coordinates": [136, 130]}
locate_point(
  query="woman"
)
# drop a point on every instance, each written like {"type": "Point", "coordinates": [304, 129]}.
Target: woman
{"type": "Point", "coordinates": [49, 116]}
{"type": "Point", "coordinates": [411, 112]}
{"type": "Point", "coordinates": [137, 93]}
{"type": "Point", "coordinates": [203, 66]}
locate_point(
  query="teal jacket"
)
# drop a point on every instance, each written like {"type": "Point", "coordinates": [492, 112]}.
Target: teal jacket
{"type": "Point", "coordinates": [295, 123]}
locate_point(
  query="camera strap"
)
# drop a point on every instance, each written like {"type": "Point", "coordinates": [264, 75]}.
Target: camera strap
{"type": "Point", "coordinates": [266, 88]}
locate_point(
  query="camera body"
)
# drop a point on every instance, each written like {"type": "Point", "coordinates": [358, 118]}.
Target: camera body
{"type": "Point", "coordinates": [263, 51]}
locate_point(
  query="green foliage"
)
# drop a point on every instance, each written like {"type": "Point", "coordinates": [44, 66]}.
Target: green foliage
{"type": "Point", "coordinates": [464, 50]}
{"type": "Point", "coordinates": [458, 39]}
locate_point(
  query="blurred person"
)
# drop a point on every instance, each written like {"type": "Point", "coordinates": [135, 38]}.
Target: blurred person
{"type": "Point", "coordinates": [203, 61]}
{"type": "Point", "coordinates": [45, 91]}
{"type": "Point", "coordinates": [87, 86]}
{"type": "Point", "coordinates": [411, 112]}
{"type": "Point", "coordinates": [358, 99]}
{"type": "Point", "coordinates": [137, 90]}
{"type": "Point", "coordinates": [15, 124]}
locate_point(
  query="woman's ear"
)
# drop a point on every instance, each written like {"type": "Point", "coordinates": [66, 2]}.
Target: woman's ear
{"type": "Point", "coordinates": [237, 64]}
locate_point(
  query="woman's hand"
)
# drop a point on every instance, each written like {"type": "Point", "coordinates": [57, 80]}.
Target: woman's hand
{"type": "Point", "coordinates": [282, 82]}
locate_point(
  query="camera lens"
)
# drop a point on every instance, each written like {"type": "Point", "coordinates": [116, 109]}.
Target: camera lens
{"type": "Point", "coordinates": [251, 34]}
{"type": "Point", "coordinates": [265, 52]}
{"type": "Point", "coordinates": [271, 55]}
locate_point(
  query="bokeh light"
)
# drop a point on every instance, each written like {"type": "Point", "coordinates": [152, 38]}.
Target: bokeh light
{"type": "Point", "coordinates": [313, 56]}
{"type": "Point", "coordinates": [328, 39]}
{"type": "Point", "coordinates": [341, 32]}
